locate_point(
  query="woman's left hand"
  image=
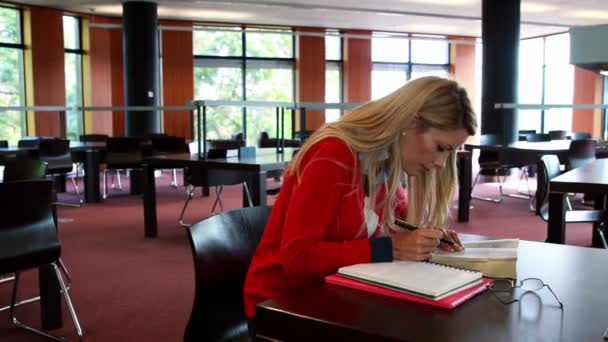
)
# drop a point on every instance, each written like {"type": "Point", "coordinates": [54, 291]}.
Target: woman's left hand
{"type": "Point", "coordinates": [453, 236]}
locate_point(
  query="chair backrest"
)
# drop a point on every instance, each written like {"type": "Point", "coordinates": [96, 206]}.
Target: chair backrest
{"type": "Point", "coordinates": [580, 135]}
{"type": "Point", "coordinates": [549, 169]}
{"type": "Point", "coordinates": [3, 144]}
{"type": "Point", "coordinates": [28, 237]}
{"type": "Point", "coordinates": [538, 137]}
{"type": "Point", "coordinates": [169, 144]}
{"type": "Point", "coordinates": [56, 153]}
{"type": "Point", "coordinates": [222, 248]}
{"type": "Point", "coordinates": [94, 137]}
{"type": "Point", "coordinates": [123, 153]}
{"type": "Point", "coordinates": [581, 152]}
{"type": "Point", "coordinates": [20, 169]}
{"type": "Point", "coordinates": [558, 135]}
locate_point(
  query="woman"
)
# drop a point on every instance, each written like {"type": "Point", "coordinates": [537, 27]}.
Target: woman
{"type": "Point", "coordinates": [324, 219]}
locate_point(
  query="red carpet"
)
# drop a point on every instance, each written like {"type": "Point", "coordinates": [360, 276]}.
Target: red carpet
{"type": "Point", "coordinates": [129, 288]}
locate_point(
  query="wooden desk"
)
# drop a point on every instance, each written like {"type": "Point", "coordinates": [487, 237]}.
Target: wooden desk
{"type": "Point", "coordinates": [252, 170]}
{"type": "Point", "coordinates": [590, 179]}
{"type": "Point", "coordinates": [333, 313]}
{"type": "Point", "coordinates": [520, 152]}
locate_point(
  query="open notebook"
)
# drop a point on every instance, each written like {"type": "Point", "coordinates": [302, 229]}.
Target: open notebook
{"type": "Point", "coordinates": [428, 280]}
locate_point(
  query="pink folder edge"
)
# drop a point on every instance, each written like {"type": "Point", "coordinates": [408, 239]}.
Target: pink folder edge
{"type": "Point", "coordinates": [448, 302]}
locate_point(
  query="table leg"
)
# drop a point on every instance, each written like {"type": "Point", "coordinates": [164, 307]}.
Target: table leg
{"type": "Point", "coordinates": [150, 220]}
{"type": "Point", "coordinates": [50, 298]}
{"type": "Point", "coordinates": [465, 175]}
{"type": "Point", "coordinates": [599, 203]}
{"type": "Point", "coordinates": [256, 181]}
{"type": "Point", "coordinates": [91, 176]}
{"type": "Point", "coordinates": [556, 227]}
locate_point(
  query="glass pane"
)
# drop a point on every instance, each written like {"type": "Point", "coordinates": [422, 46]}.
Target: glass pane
{"type": "Point", "coordinates": [10, 26]}
{"type": "Point", "coordinates": [392, 49]}
{"type": "Point", "coordinates": [71, 33]}
{"type": "Point", "coordinates": [333, 47]}
{"type": "Point", "coordinates": [430, 51]}
{"type": "Point", "coordinates": [386, 80]}
{"type": "Point", "coordinates": [73, 92]}
{"type": "Point", "coordinates": [332, 93]}
{"type": "Point", "coordinates": [216, 43]}
{"type": "Point", "coordinates": [12, 124]}
{"type": "Point", "coordinates": [429, 70]}
{"type": "Point", "coordinates": [269, 43]}
{"type": "Point", "coordinates": [265, 84]}
{"type": "Point", "coordinates": [530, 85]}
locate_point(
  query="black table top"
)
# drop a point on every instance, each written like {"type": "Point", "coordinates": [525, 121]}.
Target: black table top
{"type": "Point", "coordinates": [591, 178]}
{"type": "Point", "coordinates": [576, 274]}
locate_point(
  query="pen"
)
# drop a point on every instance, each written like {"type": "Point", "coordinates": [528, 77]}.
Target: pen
{"type": "Point", "coordinates": [408, 226]}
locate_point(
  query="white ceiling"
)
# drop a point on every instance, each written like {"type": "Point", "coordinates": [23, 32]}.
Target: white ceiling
{"type": "Point", "coordinates": [449, 17]}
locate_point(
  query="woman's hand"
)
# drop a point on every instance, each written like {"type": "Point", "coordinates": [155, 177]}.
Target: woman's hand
{"type": "Point", "coordinates": [416, 245]}
{"type": "Point", "coordinates": [452, 236]}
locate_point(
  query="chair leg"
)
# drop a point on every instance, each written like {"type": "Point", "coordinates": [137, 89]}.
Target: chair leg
{"type": "Point", "coordinates": [487, 199]}
{"type": "Point", "coordinates": [189, 194]}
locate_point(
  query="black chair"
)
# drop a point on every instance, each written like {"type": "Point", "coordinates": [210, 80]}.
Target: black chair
{"type": "Point", "coordinates": [94, 137]}
{"type": "Point", "coordinates": [549, 169]}
{"type": "Point", "coordinates": [164, 145]}
{"type": "Point", "coordinates": [524, 132]}
{"type": "Point", "coordinates": [538, 137]}
{"type": "Point", "coordinates": [56, 153]}
{"type": "Point", "coordinates": [558, 135]}
{"type": "Point", "coordinates": [28, 239]}
{"type": "Point", "coordinates": [581, 152]}
{"type": "Point", "coordinates": [222, 248]}
{"type": "Point", "coordinates": [122, 153]}
{"type": "Point", "coordinates": [198, 176]}
{"type": "Point", "coordinates": [491, 164]}
{"type": "Point", "coordinates": [580, 136]}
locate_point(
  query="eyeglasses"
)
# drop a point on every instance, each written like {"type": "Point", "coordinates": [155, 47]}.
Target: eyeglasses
{"type": "Point", "coordinates": [501, 286]}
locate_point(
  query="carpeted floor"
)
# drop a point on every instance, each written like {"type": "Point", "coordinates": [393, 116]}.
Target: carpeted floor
{"type": "Point", "coordinates": [130, 288]}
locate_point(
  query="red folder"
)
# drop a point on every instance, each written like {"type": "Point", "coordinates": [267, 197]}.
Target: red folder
{"type": "Point", "coordinates": [448, 302]}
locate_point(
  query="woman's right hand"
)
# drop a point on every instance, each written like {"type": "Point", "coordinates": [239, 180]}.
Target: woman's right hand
{"type": "Point", "coordinates": [415, 245]}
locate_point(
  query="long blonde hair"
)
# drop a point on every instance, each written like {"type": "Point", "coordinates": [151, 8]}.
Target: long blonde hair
{"type": "Point", "coordinates": [375, 129]}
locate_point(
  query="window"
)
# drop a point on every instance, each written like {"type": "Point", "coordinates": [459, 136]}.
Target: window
{"type": "Point", "coordinates": [333, 74]}
{"type": "Point", "coordinates": [399, 59]}
{"type": "Point", "coordinates": [73, 76]}
{"type": "Point", "coordinates": [262, 72]}
{"type": "Point", "coordinates": [12, 123]}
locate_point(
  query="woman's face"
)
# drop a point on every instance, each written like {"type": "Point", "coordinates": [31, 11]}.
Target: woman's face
{"type": "Point", "coordinates": [423, 150]}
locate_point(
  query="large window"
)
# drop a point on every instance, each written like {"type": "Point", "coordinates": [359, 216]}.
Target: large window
{"type": "Point", "coordinates": [12, 123]}
{"type": "Point", "coordinates": [262, 71]}
{"type": "Point", "coordinates": [333, 74]}
{"type": "Point", "coordinates": [545, 77]}
{"type": "Point", "coordinates": [73, 76]}
{"type": "Point", "coordinates": [399, 59]}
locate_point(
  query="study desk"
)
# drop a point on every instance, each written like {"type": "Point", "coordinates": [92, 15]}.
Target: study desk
{"type": "Point", "coordinates": [589, 179]}
{"type": "Point", "coordinates": [253, 170]}
{"type": "Point", "coordinates": [334, 313]}
{"type": "Point", "coordinates": [520, 153]}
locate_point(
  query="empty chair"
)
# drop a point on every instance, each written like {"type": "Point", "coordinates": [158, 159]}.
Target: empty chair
{"type": "Point", "coordinates": [94, 137]}
{"type": "Point", "coordinates": [558, 135]}
{"type": "Point", "coordinates": [538, 137]}
{"type": "Point", "coordinates": [580, 135]}
{"type": "Point", "coordinates": [222, 248]}
{"type": "Point", "coordinates": [56, 153]}
{"type": "Point", "coordinates": [122, 153]}
{"type": "Point", "coordinates": [490, 164]}
{"type": "Point", "coordinates": [28, 239]}
{"type": "Point", "coordinates": [164, 145]}
{"type": "Point", "coordinates": [581, 152]}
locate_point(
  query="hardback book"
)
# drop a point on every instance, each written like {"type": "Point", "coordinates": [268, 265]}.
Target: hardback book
{"type": "Point", "coordinates": [493, 258]}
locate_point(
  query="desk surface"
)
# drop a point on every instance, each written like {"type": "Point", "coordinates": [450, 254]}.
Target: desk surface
{"type": "Point", "coordinates": [591, 178]}
{"type": "Point", "coordinates": [576, 274]}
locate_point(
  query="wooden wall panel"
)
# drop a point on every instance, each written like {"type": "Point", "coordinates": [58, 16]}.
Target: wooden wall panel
{"type": "Point", "coordinates": [117, 72]}
{"type": "Point", "coordinates": [178, 78]}
{"type": "Point", "coordinates": [47, 67]}
{"type": "Point", "coordinates": [587, 89]}
{"type": "Point", "coordinates": [357, 67]}
{"type": "Point", "coordinates": [100, 77]}
{"type": "Point", "coordinates": [310, 75]}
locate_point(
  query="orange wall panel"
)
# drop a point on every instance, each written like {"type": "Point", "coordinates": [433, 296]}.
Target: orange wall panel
{"type": "Point", "coordinates": [310, 75]}
{"type": "Point", "coordinates": [587, 89]}
{"type": "Point", "coordinates": [357, 67]}
{"type": "Point", "coordinates": [48, 67]}
{"type": "Point", "coordinates": [178, 78]}
{"type": "Point", "coordinates": [101, 77]}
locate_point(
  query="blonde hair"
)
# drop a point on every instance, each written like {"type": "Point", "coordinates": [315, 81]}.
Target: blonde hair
{"type": "Point", "coordinates": [375, 129]}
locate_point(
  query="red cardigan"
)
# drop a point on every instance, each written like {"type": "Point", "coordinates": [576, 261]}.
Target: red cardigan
{"type": "Point", "coordinates": [316, 226]}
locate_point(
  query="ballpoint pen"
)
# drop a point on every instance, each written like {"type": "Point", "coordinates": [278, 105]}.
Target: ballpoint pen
{"type": "Point", "coordinates": [403, 224]}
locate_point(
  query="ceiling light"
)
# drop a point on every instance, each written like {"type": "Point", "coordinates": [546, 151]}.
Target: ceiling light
{"type": "Point", "coordinates": [537, 7]}
{"type": "Point", "coordinates": [445, 2]}
{"type": "Point", "coordinates": [588, 14]}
